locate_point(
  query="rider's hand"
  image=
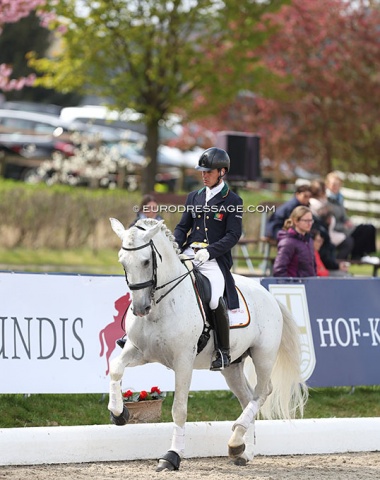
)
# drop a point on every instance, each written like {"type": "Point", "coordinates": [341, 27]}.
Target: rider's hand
{"type": "Point", "coordinates": [202, 255]}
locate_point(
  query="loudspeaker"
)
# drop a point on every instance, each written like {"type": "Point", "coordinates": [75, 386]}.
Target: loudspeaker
{"type": "Point", "coordinates": [244, 152]}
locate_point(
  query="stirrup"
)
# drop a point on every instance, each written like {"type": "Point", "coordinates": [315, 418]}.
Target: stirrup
{"type": "Point", "coordinates": [121, 341]}
{"type": "Point", "coordinates": [221, 362]}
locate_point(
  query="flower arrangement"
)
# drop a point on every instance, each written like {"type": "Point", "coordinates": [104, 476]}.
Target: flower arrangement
{"type": "Point", "coordinates": [154, 394]}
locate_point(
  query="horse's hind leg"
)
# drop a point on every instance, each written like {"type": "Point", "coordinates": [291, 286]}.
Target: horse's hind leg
{"type": "Point", "coordinates": [250, 399]}
{"type": "Point", "coordinates": [239, 385]}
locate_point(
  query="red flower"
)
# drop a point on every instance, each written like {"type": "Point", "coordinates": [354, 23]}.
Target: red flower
{"type": "Point", "coordinates": [155, 390]}
{"type": "Point", "coordinates": [143, 395]}
{"type": "Point", "coordinates": [127, 394]}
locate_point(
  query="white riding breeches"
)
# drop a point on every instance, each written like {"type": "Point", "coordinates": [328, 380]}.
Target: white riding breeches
{"type": "Point", "coordinates": [211, 270]}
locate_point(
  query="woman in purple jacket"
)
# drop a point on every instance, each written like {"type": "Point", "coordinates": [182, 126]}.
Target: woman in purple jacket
{"type": "Point", "coordinates": [295, 250]}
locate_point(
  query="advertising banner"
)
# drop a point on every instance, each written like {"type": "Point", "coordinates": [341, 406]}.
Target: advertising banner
{"type": "Point", "coordinates": [339, 322]}
{"type": "Point", "coordinates": [58, 333]}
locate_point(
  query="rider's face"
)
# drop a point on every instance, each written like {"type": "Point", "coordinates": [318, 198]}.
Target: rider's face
{"type": "Point", "coordinates": [211, 178]}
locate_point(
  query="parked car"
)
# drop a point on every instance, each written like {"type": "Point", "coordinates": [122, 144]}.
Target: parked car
{"type": "Point", "coordinates": [28, 138]}
{"type": "Point", "coordinates": [48, 108]}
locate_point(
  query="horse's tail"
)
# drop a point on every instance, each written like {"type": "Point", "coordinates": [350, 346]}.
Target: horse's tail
{"type": "Point", "coordinates": [289, 393]}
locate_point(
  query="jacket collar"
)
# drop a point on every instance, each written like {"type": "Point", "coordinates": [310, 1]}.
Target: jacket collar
{"type": "Point", "coordinates": [219, 196]}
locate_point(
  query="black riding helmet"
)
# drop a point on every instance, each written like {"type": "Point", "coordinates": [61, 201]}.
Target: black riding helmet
{"type": "Point", "coordinates": [213, 158]}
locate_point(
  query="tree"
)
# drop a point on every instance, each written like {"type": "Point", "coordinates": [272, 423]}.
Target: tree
{"type": "Point", "coordinates": [12, 11]}
{"type": "Point", "coordinates": [324, 109]}
{"type": "Point", "coordinates": [19, 38]}
{"type": "Point", "coordinates": [154, 56]}
{"type": "Point", "coordinates": [330, 53]}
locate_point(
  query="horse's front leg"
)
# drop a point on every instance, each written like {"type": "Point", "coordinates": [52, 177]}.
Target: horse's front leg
{"type": "Point", "coordinates": [130, 357]}
{"type": "Point", "coordinates": [172, 459]}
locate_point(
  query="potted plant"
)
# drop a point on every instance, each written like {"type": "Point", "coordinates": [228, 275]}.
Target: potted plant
{"type": "Point", "coordinates": [143, 406]}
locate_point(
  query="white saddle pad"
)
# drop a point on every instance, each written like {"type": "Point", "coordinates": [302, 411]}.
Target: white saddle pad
{"type": "Point", "coordinates": [239, 317]}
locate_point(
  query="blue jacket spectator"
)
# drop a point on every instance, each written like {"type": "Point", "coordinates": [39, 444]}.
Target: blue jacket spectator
{"type": "Point", "coordinates": [277, 219]}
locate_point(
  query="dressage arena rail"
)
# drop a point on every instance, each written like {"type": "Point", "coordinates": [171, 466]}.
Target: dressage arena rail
{"type": "Point", "coordinates": [98, 443]}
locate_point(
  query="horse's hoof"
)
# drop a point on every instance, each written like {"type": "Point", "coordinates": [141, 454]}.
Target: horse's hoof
{"type": "Point", "coordinates": [240, 461]}
{"type": "Point", "coordinates": [235, 452]}
{"type": "Point", "coordinates": [170, 461]}
{"type": "Point", "coordinates": [122, 419]}
{"type": "Point", "coordinates": [164, 465]}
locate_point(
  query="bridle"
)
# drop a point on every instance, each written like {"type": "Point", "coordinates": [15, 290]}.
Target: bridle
{"type": "Point", "coordinates": [153, 281]}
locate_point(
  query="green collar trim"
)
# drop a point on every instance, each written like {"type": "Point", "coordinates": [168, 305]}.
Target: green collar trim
{"type": "Point", "coordinates": [224, 192]}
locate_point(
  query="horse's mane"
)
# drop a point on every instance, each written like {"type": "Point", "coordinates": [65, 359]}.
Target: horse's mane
{"type": "Point", "coordinates": [150, 222]}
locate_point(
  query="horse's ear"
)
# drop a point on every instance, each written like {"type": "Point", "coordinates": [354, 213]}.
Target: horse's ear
{"type": "Point", "coordinates": [117, 227]}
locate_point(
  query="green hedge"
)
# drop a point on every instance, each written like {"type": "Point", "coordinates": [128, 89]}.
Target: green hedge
{"type": "Point", "coordinates": [62, 217]}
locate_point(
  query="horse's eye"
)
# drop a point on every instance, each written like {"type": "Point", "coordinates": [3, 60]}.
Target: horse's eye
{"type": "Point", "coordinates": [145, 263]}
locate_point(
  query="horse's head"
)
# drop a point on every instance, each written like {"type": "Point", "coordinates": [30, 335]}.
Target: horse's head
{"type": "Point", "coordinates": [139, 256]}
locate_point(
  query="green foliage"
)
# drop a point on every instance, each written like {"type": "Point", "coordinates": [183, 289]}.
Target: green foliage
{"type": "Point", "coordinates": [64, 217]}
{"type": "Point", "coordinates": [157, 57]}
{"type": "Point", "coordinates": [91, 409]}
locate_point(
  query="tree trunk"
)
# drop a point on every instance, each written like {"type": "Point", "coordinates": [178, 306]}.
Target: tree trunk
{"type": "Point", "coordinates": [151, 150]}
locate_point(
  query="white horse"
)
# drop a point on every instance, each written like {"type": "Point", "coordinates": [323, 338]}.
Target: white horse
{"type": "Point", "coordinates": [164, 325]}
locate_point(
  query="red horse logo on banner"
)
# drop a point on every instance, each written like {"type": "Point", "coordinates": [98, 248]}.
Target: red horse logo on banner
{"type": "Point", "coordinates": [114, 330]}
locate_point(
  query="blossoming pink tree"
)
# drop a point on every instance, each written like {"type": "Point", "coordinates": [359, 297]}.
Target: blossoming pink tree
{"type": "Point", "coordinates": [12, 11]}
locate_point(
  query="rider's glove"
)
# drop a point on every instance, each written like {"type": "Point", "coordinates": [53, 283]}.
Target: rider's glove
{"type": "Point", "coordinates": [202, 255]}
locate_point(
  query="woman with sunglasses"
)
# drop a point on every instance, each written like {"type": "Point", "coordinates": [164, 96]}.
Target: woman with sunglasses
{"type": "Point", "coordinates": [295, 249]}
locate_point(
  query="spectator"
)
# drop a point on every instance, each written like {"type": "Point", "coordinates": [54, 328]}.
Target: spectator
{"type": "Point", "coordinates": [328, 251]}
{"type": "Point", "coordinates": [320, 266]}
{"type": "Point", "coordinates": [318, 195]}
{"type": "Point", "coordinates": [295, 250]}
{"type": "Point", "coordinates": [363, 235]}
{"type": "Point", "coordinates": [277, 219]}
{"type": "Point", "coordinates": [148, 209]}
{"type": "Point", "coordinates": [322, 270]}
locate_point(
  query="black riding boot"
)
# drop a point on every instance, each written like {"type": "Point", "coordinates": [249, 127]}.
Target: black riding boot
{"type": "Point", "coordinates": [222, 337]}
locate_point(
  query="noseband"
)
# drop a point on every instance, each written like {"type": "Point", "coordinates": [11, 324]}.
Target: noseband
{"type": "Point", "coordinates": [153, 281]}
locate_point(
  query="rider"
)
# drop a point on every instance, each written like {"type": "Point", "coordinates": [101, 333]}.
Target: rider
{"type": "Point", "coordinates": [213, 216]}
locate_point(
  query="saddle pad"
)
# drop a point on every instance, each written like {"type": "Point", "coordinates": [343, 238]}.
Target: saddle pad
{"type": "Point", "coordinates": [239, 317]}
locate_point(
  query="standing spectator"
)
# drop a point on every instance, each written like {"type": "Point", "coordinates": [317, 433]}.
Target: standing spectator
{"type": "Point", "coordinates": [295, 249]}
{"type": "Point", "coordinates": [276, 220]}
{"type": "Point", "coordinates": [148, 209]}
{"type": "Point", "coordinates": [364, 235]}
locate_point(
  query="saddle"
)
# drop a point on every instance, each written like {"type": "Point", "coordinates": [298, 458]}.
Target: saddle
{"type": "Point", "coordinates": [202, 286]}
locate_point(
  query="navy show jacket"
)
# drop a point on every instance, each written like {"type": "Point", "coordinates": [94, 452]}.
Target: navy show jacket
{"type": "Point", "coordinates": [219, 223]}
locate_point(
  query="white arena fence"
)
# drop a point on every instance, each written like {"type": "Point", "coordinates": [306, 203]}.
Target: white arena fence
{"type": "Point", "coordinates": [363, 206]}
{"type": "Point", "coordinates": [104, 443]}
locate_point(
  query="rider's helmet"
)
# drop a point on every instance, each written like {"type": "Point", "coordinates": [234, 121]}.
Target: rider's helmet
{"type": "Point", "coordinates": [213, 158]}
